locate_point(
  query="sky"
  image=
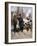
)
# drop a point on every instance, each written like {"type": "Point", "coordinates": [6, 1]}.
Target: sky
{"type": "Point", "coordinates": [26, 10]}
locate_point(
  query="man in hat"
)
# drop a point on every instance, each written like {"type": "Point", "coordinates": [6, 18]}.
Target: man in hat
{"type": "Point", "coordinates": [15, 22]}
{"type": "Point", "coordinates": [20, 22]}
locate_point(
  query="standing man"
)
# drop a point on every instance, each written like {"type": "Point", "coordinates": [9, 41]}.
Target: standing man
{"type": "Point", "coordinates": [15, 22]}
{"type": "Point", "coordinates": [20, 22]}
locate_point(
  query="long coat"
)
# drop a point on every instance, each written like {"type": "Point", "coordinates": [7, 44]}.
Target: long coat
{"type": "Point", "coordinates": [21, 23]}
{"type": "Point", "coordinates": [15, 20]}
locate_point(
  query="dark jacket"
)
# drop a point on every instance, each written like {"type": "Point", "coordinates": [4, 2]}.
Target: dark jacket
{"type": "Point", "coordinates": [15, 20]}
{"type": "Point", "coordinates": [21, 23]}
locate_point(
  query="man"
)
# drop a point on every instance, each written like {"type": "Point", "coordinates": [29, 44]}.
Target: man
{"type": "Point", "coordinates": [15, 22]}
{"type": "Point", "coordinates": [20, 22]}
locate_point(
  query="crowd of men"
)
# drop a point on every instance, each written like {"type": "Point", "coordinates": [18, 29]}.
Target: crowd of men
{"type": "Point", "coordinates": [18, 19]}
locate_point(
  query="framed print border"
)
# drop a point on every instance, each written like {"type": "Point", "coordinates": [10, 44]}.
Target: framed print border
{"type": "Point", "coordinates": [6, 21]}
